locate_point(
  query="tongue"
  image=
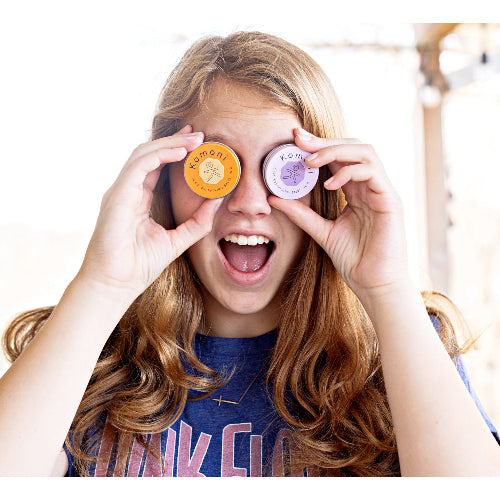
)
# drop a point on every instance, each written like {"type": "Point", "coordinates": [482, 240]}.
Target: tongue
{"type": "Point", "coordinates": [245, 258]}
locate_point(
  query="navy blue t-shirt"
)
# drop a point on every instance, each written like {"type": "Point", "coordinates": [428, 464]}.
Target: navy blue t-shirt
{"type": "Point", "coordinates": [214, 437]}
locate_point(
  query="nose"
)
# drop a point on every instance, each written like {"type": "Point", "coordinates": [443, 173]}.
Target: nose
{"type": "Point", "coordinates": [249, 197]}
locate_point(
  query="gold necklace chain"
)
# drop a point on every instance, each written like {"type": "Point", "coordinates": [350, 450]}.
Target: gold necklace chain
{"type": "Point", "coordinates": [220, 400]}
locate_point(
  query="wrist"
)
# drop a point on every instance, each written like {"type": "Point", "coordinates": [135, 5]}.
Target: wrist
{"type": "Point", "coordinates": [84, 317]}
{"type": "Point", "coordinates": [398, 313]}
{"type": "Point", "coordinates": [117, 298]}
{"type": "Point", "coordinates": [394, 295]}
{"type": "Point", "coordinates": [100, 299]}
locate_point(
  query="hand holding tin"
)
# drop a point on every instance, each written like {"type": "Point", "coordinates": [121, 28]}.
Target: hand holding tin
{"type": "Point", "coordinates": [128, 249]}
{"type": "Point", "coordinates": [366, 242]}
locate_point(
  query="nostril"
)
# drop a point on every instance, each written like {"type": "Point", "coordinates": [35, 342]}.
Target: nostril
{"type": "Point", "coordinates": [249, 196]}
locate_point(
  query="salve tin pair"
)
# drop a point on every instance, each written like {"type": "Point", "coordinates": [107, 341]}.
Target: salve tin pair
{"type": "Point", "coordinates": [213, 170]}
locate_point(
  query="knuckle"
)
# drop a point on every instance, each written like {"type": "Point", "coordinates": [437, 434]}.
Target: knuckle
{"type": "Point", "coordinates": [399, 200]}
{"type": "Point", "coordinates": [138, 149]}
{"type": "Point", "coordinates": [105, 198]}
{"type": "Point", "coordinates": [369, 152]}
{"type": "Point", "coordinates": [155, 156]}
{"type": "Point", "coordinates": [328, 150]}
{"type": "Point", "coordinates": [145, 162]}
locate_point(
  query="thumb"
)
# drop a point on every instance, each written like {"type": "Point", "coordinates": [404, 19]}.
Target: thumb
{"type": "Point", "coordinates": [195, 228]}
{"type": "Point", "coordinates": [305, 218]}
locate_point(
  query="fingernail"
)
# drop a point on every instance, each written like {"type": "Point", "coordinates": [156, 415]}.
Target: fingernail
{"type": "Point", "coordinates": [304, 137]}
{"type": "Point", "coordinates": [312, 157]}
{"type": "Point", "coordinates": [271, 198]}
{"type": "Point", "coordinates": [218, 203]}
{"type": "Point", "coordinates": [329, 181]}
{"type": "Point", "coordinates": [305, 132]}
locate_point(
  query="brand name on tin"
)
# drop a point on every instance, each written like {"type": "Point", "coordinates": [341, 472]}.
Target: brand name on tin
{"type": "Point", "coordinates": [292, 156]}
{"type": "Point", "coordinates": [212, 153]}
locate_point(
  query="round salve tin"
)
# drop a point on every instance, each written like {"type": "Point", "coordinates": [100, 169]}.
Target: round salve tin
{"type": "Point", "coordinates": [285, 173]}
{"type": "Point", "coordinates": [212, 170]}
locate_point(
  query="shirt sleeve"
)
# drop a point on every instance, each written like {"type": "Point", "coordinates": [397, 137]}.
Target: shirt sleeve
{"type": "Point", "coordinates": [465, 378]}
{"type": "Point", "coordinates": [71, 460]}
{"type": "Point", "coordinates": [459, 364]}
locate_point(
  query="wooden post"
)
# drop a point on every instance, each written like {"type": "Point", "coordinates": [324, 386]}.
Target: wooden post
{"type": "Point", "coordinates": [437, 200]}
{"type": "Point", "coordinates": [428, 38]}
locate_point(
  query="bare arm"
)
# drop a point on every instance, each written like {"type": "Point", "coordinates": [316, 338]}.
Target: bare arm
{"type": "Point", "coordinates": [41, 391]}
{"type": "Point", "coordinates": [439, 430]}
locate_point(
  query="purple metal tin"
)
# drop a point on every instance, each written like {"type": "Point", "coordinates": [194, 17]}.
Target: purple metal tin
{"type": "Point", "coordinates": [285, 173]}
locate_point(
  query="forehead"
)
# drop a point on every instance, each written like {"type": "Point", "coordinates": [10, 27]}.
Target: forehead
{"type": "Point", "coordinates": [225, 94]}
{"type": "Point", "coordinates": [234, 110]}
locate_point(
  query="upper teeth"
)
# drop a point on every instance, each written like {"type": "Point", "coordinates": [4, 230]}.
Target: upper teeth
{"type": "Point", "coordinates": [254, 239]}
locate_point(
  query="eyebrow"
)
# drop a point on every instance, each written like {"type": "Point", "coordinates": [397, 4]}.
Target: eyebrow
{"type": "Point", "coordinates": [224, 140]}
{"type": "Point", "coordinates": [214, 138]}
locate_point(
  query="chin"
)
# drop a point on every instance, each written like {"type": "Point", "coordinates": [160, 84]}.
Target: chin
{"type": "Point", "coordinates": [242, 303]}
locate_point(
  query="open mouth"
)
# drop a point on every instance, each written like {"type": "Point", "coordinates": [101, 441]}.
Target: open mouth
{"type": "Point", "coordinates": [246, 254]}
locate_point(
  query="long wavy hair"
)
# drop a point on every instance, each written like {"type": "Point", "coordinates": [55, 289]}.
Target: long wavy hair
{"type": "Point", "coordinates": [325, 372]}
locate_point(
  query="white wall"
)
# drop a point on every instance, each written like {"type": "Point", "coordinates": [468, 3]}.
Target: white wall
{"type": "Point", "coordinates": [77, 94]}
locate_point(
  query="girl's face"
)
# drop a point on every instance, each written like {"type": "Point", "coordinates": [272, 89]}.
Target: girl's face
{"type": "Point", "coordinates": [241, 282]}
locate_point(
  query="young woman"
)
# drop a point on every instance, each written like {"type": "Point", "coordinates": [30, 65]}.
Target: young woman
{"type": "Point", "coordinates": [177, 351]}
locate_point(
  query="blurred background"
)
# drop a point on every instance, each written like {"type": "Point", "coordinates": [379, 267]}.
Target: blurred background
{"type": "Point", "coordinates": [78, 90]}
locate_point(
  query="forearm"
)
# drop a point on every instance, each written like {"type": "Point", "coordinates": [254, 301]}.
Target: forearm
{"type": "Point", "coordinates": [439, 431]}
{"type": "Point", "coordinates": [41, 392]}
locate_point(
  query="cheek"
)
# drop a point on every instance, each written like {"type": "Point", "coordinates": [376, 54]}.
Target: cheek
{"type": "Point", "coordinates": [184, 201]}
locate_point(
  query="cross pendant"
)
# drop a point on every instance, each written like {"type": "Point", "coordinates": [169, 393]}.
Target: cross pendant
{"type": "Point", "coordinates": [220, 400]}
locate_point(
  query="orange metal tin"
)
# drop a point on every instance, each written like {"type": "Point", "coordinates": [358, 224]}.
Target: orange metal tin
{"type": "Point", "coordinates": [212, 170]}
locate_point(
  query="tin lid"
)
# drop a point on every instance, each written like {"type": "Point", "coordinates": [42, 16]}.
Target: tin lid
{"type": "Point", "coordinates": [212, 170]}
{"type": "Point", "coordinates": [285, 173]}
